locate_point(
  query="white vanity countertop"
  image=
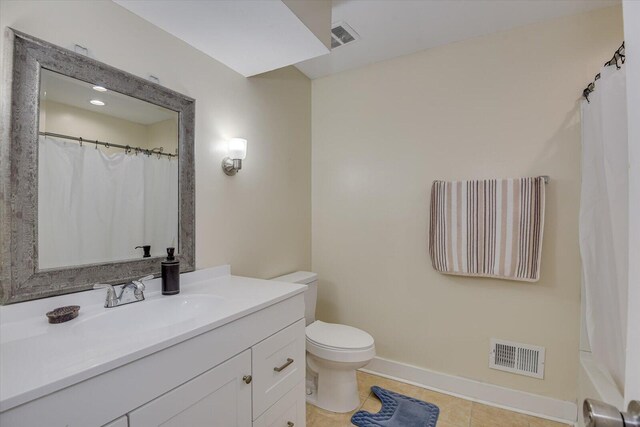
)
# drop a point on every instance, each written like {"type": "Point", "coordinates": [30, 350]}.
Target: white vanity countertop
{"type": "Point", "coordinates": [38, 358]}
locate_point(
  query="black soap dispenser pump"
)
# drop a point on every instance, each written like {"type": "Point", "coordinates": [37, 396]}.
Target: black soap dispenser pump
{"type": "Point", "coordinates": [170, 274]}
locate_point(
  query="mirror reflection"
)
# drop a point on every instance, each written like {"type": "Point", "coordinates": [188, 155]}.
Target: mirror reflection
{"type": "Point", "coordinates": [107, 175]}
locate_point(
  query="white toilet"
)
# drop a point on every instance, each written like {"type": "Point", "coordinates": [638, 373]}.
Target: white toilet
{"type": "Point", "coordinates": [334, 352]}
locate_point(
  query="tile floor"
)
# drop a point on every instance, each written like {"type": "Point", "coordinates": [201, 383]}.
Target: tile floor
{"type": "Point", "coordinates": [454, 412]}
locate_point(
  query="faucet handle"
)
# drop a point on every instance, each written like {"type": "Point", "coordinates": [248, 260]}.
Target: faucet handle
{"type": "Point", "coordinates": [140, 282]}
{"type": "Point", "coordinates": [111, 294]}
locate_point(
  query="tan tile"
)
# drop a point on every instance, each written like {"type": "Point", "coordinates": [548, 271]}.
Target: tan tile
{"type": "Point", "coordinates": [365, 381]}
{"type": "Point", "coordinates": [317, 417]}
{"type": "Point", "coordinates": [364, 395]}
{"type": "Point", "coordinates": [364, 384]}
{"type": "Point", "coordinates": [446, 424]}
{"type": "Point", "coordinates": [372, 405]}
{"type": "Point", "coordinates": [488, 416]}
{"type": "Point", "coordinates": [541, 422]}
{"type": "Point", "coordinates": [453, 411]}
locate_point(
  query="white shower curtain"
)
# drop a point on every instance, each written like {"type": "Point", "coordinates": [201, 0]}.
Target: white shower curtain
{"type": "Point", "coordinates": [94, 207]}
{"type": "Point", "coordinates": [604, 220]}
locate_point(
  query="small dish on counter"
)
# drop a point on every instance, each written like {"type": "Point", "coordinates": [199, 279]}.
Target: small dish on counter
{"type": "Point", "coordinates": [63, 314]}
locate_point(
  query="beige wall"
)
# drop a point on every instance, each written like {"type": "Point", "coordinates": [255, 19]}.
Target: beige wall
{"type": "Point", "coordinates": [163, 134]}
{"type": "Point", "coordinates": [258, 221]}
{"type": "Point", "coordinates": [503, 105]}
{"type": "Point", "coordinates": [68, 120]}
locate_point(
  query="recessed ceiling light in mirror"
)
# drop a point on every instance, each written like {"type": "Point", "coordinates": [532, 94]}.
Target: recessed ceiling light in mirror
{"type": "Point", "coordinates": [97, 102]}
{"type": "Point", "coordinates": [100, 88]}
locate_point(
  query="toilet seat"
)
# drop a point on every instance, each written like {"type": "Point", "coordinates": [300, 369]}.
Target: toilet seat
{"type": "Point", "coordinates": [339, 343]}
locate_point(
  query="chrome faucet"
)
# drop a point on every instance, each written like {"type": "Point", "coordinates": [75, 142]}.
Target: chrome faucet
{"type": "Point", "coordinates": [131, 292]}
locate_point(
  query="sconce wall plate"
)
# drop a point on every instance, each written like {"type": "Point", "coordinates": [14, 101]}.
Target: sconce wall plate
{"type": "Point", "coordinates": [231, 166]}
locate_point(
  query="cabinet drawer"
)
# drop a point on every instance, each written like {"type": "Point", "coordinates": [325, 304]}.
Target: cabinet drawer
{"type": "Point", "coordinates": [278, 365]}
{"type": "Point", "coordinates": [289, 411]}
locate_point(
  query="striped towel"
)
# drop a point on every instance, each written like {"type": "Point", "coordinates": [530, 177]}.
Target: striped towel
{"type": "Point", "coordinates": [488, 228]}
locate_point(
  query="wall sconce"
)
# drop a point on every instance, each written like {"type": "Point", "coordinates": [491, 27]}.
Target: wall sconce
{"type": "Point", "coordinates": [236, 152]}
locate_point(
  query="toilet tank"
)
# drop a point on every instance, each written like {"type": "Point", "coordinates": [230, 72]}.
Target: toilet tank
{"type": "Point", "coordinates": [310, 295]}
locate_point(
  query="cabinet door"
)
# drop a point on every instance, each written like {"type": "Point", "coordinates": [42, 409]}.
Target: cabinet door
{"type": "Point", "coordinates": [278, 366]}
{"type": "Point", "coordinates": [218, 398]}
{"type": "Point", "coordinates": [289, 411]}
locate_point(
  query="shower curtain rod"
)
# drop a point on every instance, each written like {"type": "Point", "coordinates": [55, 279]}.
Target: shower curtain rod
{"type": "Point", "coordinates": [617, 60]}
{"type": "Point", "coordinates": [126, 148]}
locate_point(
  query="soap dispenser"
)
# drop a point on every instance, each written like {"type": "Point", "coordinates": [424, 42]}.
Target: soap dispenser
{"type": "Point", "coordinates": [170, 274]}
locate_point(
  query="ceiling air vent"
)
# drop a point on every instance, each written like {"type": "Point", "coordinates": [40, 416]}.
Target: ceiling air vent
{"type": "Point", "coordinates": [342, 34]}
{"type": "Point", "coordinates": [522, 359]}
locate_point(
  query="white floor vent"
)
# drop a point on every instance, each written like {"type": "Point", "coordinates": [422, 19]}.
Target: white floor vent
{"type": "Point", "coordinates": [522, 359]}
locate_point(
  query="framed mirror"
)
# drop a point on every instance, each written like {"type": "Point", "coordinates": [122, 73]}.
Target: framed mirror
{"type": "Point", "coordinates": [97, 174]}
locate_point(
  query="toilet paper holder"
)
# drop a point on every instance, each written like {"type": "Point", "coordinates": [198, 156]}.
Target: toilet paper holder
{"type": "Point", "coordinates": [600, 414]}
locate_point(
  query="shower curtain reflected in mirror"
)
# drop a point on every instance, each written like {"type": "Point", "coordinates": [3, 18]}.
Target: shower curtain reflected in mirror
{"type": "Point", "coordinates": [94, 207]}
{"type": "Point", "coordinates": [604, 220]}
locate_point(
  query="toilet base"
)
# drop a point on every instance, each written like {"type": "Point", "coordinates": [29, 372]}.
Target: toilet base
{"type": "Point", "coordinates": [336, 384]}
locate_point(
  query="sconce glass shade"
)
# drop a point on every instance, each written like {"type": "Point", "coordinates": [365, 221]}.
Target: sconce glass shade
{"type": "Point", "coordinates": [237, 148]}
{"type": "Point", "coordinates": [236, 152]}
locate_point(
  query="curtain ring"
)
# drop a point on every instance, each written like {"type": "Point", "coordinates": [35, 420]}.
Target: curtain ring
{"type": "Point", "coordinates": [80, 139]}
{"type": "Point", "coordinates": [96, 144]}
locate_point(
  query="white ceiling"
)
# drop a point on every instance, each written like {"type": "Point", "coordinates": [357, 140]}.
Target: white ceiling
{"type": "Point", "coordinates": [391, 28]}
{"type": "Point", "coordinates": [248, 36]}
{"type": "Point", "coordinates": [256, 36]}
{"type": "Point", "coordinates": [76, 93]}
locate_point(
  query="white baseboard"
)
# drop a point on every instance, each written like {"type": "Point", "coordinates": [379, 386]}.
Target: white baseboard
{"type": "Point", "coordinates": [502, 397]}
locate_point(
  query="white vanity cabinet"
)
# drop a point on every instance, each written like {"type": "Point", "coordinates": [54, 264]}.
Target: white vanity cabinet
{"type": "Point", "coordinates": [244, 367]}
{"type": "Point", "coordinates": [278, 365]}
{"type": "Point", "coordinates": [266, 381]}
{"type": "Point", "coordinates": [289, 411]}
{"type": "Point", "coordinates": [219, 397]}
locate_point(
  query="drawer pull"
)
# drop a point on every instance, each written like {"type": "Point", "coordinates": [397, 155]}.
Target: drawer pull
{"type": "Point", "coordinates": [247, 379]}
{"type": "Point", "coordinates": [290, 424]}
{"type": "Point", "coordinates": [281, 368]}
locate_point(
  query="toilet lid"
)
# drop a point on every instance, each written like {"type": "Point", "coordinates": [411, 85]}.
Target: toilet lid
{"type": "Point", "coordinates": [338, 336]}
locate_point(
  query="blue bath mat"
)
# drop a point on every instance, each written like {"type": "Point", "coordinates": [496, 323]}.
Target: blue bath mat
{"type": "Point", "coordinates": [397, 411]}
